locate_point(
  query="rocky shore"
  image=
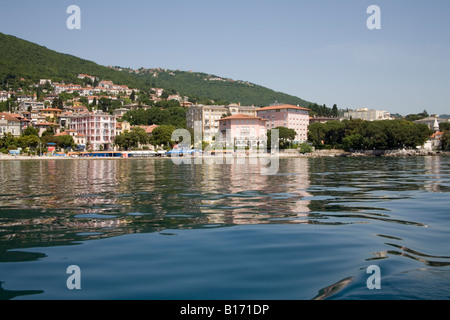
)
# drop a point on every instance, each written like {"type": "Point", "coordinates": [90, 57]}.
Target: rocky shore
{"type": "Point", "coordinates": [378, 153]}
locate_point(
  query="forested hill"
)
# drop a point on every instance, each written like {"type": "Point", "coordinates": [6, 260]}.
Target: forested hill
{"type": "Point", "coordinates": [24, 59]}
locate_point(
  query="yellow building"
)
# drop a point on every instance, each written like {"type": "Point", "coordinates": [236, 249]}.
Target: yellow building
{"type": "Point", "coordinates": [52, 113]}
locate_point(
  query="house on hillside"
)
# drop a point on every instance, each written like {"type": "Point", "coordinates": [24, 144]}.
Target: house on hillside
{"type": "Point", "coordinates": [10, 124]}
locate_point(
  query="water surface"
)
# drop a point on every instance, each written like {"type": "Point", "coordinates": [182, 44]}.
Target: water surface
{"type": "Point", "coordinates": [150, 229]}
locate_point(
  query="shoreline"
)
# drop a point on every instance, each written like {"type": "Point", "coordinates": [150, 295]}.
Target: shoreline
{"type": "Point", "coordinates": [316, 154]}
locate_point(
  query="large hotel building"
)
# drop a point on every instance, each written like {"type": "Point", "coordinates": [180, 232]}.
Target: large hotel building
{"type": "Point", "coordinates": [289, 116]}
{"type": "Point", "coordinates": [99, 129]}
{"type": "Point", "coordinates": [207, 118]}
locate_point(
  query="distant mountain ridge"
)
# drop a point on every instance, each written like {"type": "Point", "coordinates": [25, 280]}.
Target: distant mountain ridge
{"type": "Point", "coordinates": [23, 59]}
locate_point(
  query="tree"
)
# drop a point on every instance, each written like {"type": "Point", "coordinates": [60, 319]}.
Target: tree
{"type": "Point", "coordinates": [285, 135]}
{"type": "Point", "coordinates": [84, 101]}
{"type": "Point", "coordinates": [140, 135]}
{"type": "Point", "coordinates": [444, 126]}
{"type": "Point", "coordinates": [354, 141]}
{"type": "Point", "coordinates": [446, 140]}
{"type": "Point", "coordinates": [316, 134]}
{"type": "Point", "coordinates": [47, 86]}
{"type": "Point", "coordinates": [8, 142]}
{"type": "Point", "coordinates": [335, 132]}
{"type": "Point", "coordinates": [162, 135]}
{"type": "Point", "coordinates": [65, 142]}
{"type": "Point", "coordinates": [144, 99]}
{"type": "Point", "coordinates": [335, 111]}
{"type": "Point", "coordinates": [49, 132]}
{"type": "Point", "coordinates": [132, 139]}
{"type": "Point", "coordinates": [359, 134]}
{"type": "Point", "coordinates": [164, 95]}
{"type": "Point", "coordinates": [175, 116]}
{"type": "Point", "coordinates": [133, 96]}
{"type": "Point", "coordinates": [104, 104]}
{"type": "Point", "coordinates": [165, 104]}
{"type": "Point", "coordinates": [58, 103]}
{"type": "Point", "coordinates": [28, 141]}
{"type": "Point", "coordinates": [305, 148]}
{"type": "Point", "coordinates": [87, 81]}
{"type": "Point", "coordinates": [30, 131]}
{"type": "Point", "coordinates": [125, 141]}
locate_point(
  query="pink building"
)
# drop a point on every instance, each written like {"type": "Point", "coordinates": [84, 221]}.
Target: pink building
{"type": "Point", "coordinates": [289, 116]}
{"type": "Point", "coordinates": [243, 130]}
{"type": "Point", "coordinates": [98, 128]}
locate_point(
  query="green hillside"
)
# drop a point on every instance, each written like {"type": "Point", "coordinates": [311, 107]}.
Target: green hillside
{"type": "Point", "coordinates": [23, 59]}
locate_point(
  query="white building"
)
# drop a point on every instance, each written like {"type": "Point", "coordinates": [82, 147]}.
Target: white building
{"type": "Point", "coordinates": [4, 95]}
{"type": "Point", "coordinates": [35, 105]}
{"type": "Point", "coordinates": [367, 114]}
{"type": "Point", "coordinates": [10, 124]}
{"type": "Point", "coordinates": [82, 76]}
{"type": "Point", "coordinates": [44, 81]}
{"type": "Point", "coordinates": [432, 121]}
{"type": "Point", "coordinates": [206, 118]}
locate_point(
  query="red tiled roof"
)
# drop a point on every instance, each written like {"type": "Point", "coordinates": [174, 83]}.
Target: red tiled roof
{"type": "Point", "coordinates": [51, 109]}
{"type": "Point", "coordinates": [283, 106]}
{"type": "Point", "coordinates": [149, 129]}
{"type": "Point", "coordinates": [9, 117]}
{"type": "Point", "coordinates": [61, 134]}
{"type": "Point", "coordinates": [46, 124]}
{"type": "Point", "coordinates": [434, 135]}
{"type": "Point", "coordinates": [242, 116]}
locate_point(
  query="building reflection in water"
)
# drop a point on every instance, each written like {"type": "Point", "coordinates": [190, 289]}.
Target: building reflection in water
{"type": "Point", "coordinates": [61, 201]}
{"type": "Point", "coordinates": [240, 194]}
{"type": "Point", "coordinates": [435, 174]}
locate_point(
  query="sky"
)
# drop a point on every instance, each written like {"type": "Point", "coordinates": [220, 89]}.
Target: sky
{"type": "Point", "coordinates": [319, 50]}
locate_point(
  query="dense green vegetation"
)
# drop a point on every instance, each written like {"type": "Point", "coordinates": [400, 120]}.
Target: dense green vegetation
{"type": "Point", "coordinates": [444, 126]}
{"type": "Point", "coordinates": [446, 140]}
{"type": "Point", "coordinates": [323, 111]}
{"type": "Point", "coordinates": [418, 116]}
{"type": "Point", "coordinates": [29, 141]}
{"type": "Point", "coordinates": [175, 116]}
{"type": "Point", "coordinates": [22, 59]}
{"type": "Point", "coordinates": [132, 139]}
{"type": "Point", "coordinates": [285, 135]}
{"type": "Point", "coordinates": [366, 135]}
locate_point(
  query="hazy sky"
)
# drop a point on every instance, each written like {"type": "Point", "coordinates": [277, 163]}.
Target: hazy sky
{"type": "Point", "coordinates": [320, 50]}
